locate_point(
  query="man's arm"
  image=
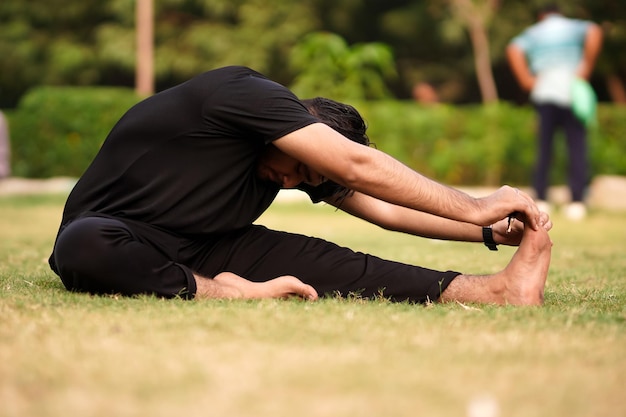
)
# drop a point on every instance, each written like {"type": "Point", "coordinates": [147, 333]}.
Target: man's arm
{"type": "Point", "coordinates": [593, 45]}
{"type": "Point", "coordinates": [519, 66]}
{"type": "Point", "coordinates": [401, 219]}
{"type": "Point", "coordinates": [417, 223]}
{"type": "Point", "coordinates": [377, 174]}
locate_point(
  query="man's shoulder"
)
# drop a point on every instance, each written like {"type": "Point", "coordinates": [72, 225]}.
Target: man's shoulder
{"type": "Point", "coordinates": [229, 72]}
{"type": "Point", "coordinates": [562, 23]}
{"type": "Point", "coordinates": [551, 26]}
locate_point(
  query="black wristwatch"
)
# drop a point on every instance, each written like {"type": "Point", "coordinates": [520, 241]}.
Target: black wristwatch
{"type": "Point", "coordinates": [488, 238]}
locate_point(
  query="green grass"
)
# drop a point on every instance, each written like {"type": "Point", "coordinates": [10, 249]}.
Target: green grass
{"type": "Point", "coordinates": [64, 354]}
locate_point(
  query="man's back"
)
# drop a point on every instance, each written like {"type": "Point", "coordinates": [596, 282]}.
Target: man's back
{"type": "Point", "coordinates": [183, 160]}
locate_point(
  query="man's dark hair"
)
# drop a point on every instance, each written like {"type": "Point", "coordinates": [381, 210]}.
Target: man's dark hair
{"type": "Point", "coordinates": [343, 118]}
{"type": "Point", "coordinates": [549, 8]}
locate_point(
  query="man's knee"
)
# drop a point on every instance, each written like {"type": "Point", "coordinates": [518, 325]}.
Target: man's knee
{"type": "Point", "coordinates": [83, 251]}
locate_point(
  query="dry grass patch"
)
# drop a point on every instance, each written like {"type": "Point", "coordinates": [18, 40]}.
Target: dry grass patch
{"type": "Point", "coordinates": [71, 354]}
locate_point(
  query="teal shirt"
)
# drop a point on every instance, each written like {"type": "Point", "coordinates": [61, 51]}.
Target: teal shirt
{"type": "Point", "coordinates": [554, 48]}
{"type": "Point", "coordinates": [554, 42]}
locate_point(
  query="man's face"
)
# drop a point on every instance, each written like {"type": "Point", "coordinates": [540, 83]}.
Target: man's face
{"type": "Point", "coordinates": [280, 168]}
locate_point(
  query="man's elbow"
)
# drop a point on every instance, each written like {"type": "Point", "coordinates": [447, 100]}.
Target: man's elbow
{"type": "Point", "coordinates": [513, 54]}
{"type": "Point", "coordinates": [363, 168]}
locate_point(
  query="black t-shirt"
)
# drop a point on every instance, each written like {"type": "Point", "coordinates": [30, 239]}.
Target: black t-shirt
{"type": "Point", "coordinates": [184, 160]}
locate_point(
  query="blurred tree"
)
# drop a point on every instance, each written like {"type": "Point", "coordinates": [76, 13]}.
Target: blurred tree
{"type": "Point", "coordinates": [144, 33]}
{"type": "Point", "coordinates": [429, 45]}
{"type": "Point", "coordinates": [195, 35]}
{"type": "Point", "coordinates": [326, 65]}
{"type": "Point", "coordinates": [476, 15]}
{"type": "Point", "coordinates": [92, 42]}
{"type": "Point", "coordinates": [192, 36]}
{"type": "Point", "coordinates": [47, 42]}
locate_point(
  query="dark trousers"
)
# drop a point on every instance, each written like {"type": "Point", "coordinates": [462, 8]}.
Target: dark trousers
{"type": "Point", "coordinates": [551, 118]}
{"type": "Point", "coordinates": [102, 255]}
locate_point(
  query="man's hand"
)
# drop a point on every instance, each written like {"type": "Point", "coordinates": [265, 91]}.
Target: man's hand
{"type": "Point", "coordinates": [513, 237]}
{"type": "Point", "coordinates": [505, 201]}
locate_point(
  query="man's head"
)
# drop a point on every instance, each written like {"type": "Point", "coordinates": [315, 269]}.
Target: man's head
{"type": "Point", "coordinates": [278, 167]}
{"type": "Point", "coordinates": [548, 9]}
{"type": "Point", "coordinates": [343, 118]}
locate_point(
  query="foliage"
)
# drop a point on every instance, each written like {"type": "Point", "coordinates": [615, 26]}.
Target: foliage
{"type": "Point", "coordinates": [57, 131]}
{"type": "Point", "coordinates": [91, 42]}
{"type": "Point", "coordinates": [489, 145]}
{"type": "Point", "coordinates": [476, 17]}
{"type": "Point", "coordinates": [325, 63]}
{"type": "Point", "coordinates": [196, 35]}
{"type": "Point", "coordinates": [431, 45]}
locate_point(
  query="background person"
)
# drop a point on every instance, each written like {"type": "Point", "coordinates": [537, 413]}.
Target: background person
{"type": "Point", "coordinates": [545, 59]}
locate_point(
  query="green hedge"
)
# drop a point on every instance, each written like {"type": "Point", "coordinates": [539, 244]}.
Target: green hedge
{"type": "Point", "coordinates": [57, 131]}
{"type": "Point", "coordinates": [488, 145]}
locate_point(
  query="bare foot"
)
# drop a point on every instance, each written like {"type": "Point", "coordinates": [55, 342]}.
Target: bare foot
{"type": "Point", "coordinates": [525, 276]}
{"type": "Point", "coordinates": [229, 285]}
{"type": "Point", "coordinates": [521, 283]}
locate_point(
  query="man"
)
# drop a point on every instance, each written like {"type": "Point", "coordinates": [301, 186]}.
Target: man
{"type": "Point", "coordinates": [545, 59]}
{"type": "Point", "coordinates": [168, 204]}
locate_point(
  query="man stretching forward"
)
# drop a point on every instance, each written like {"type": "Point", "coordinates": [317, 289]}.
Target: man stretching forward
{"type": "Point", "coordinates": [168, 204]}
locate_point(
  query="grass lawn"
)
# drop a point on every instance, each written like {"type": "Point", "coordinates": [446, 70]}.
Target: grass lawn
{"type": "Point", "coordinates": [64, 354]}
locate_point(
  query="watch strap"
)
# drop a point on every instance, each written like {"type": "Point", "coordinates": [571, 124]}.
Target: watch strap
{"type": "Point", "coordinates": [488, 238]}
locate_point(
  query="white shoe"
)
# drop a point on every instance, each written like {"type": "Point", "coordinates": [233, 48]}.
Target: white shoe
{"type": "Point", "coordinates": [575, 211]}
{"type": "Point", "coordinates": [544, 206]}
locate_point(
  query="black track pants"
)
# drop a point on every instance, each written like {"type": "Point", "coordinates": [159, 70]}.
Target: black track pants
{"type": "Point", "coordinates": [107, 255]}
{"type": "Point", "coordinates": [552, 118]}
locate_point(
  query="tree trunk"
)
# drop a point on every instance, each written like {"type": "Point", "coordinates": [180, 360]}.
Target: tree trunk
{"type": "Point", "coordinates": [144, 74]}
{"type": "Point", "coordinates": [475, 14]}
{"type": "Point", "coordinates": [482, 63]}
